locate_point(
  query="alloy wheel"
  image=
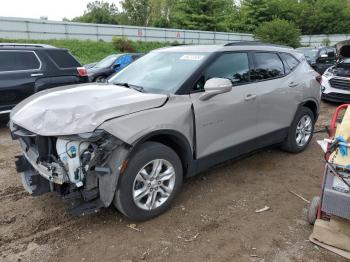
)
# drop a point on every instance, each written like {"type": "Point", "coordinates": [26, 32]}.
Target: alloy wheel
{"type": "Point", "coordinates": [154, 184]}
{"type": "Point", "coordinates": [303, 132]}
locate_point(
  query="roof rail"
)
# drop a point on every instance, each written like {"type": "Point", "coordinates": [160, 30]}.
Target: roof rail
{"type": "Point", "coordinates": [243, 43]}
{"type": "Point", "coordinates": [238, 43]}
{"type": "Point", "coordinates": [25, 45]}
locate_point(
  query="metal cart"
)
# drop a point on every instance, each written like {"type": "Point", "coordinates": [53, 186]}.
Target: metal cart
{"type": "Point", "coordinates": [334, 199]}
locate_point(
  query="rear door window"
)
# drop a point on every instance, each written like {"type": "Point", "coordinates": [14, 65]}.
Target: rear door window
{"type": "Point", "coordinates": [18, 61]}
{"type": "Point", "coordinates": [63, 58]}
{"type": "Point", "coordinates": [267, 66]}
{"type": "Point", "coordinates": [290, 62]}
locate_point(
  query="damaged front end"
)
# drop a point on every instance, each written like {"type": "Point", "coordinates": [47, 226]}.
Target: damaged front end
{"type": "Point", "coordinates": [336, 79]}
{"type": "Point", "coordinates": [83, 168]}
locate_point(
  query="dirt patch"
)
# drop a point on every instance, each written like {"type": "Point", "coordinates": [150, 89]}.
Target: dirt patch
{"type": "Point", "coordinates": [213, 219]}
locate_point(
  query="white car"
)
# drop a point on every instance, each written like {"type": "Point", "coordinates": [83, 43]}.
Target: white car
{"type": "Point", "coordinates": [336, 79]}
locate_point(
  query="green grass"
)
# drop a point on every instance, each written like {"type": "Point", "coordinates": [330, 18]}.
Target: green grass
{"type": "Point", "coordinates": [90, 51]}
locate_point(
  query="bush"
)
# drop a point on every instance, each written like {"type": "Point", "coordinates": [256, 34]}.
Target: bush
{"type": "Point", "coordinates": [122, 44]}
{"type": "Point", "coordinates": [87, 51]}
{"type": "Point", "coordinates": [278, 31]}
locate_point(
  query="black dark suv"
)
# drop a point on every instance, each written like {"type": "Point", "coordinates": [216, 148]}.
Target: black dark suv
{"type": "Point", "coordinates": [27, 68]}
{"type": "Point", "coordinates": [319, 58]}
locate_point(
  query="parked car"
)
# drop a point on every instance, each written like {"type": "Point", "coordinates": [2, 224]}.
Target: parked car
{"type": "Point", "coordinates": [336, 79]}
{"type": "Point", "coordinates": [110, 65]}
{"type": "Point", "coordinates": [319, 58]}
{"type": "Point", "coordinates": [88, 66]}
{"type": "Point", "coordinates": [168, 116]}
{"type": "Point", "coordinates": [26, 69]}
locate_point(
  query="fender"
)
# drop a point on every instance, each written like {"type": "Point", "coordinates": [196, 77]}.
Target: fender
{"type": "Point", "coordinates": [313, 101]}
{"type": "Point", "coordinates": [175, 140]}
{"type": "Point", "coordinates": [108, 182]}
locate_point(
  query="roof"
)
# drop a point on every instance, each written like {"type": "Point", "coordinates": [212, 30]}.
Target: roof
{"type": "Point", "coordinates": [237, 46]}
{"type": "Point", "coordinates": [25, 46]}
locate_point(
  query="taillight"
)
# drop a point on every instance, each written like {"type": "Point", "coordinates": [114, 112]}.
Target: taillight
{"type": "Point", "coordinates": [82, 71]}
{"type": "Point", "coordinates": [319, 79]}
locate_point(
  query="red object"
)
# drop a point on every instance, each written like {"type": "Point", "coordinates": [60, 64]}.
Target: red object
{"type": "Point", "coordinates": [82, 71]}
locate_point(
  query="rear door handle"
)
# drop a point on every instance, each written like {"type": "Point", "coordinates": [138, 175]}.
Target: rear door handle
{"type": "Point", "coordinates": [38, 74]}
{"type": "Point", "coordinates": [293, 84]}
{"type": "Point", "coordinates": [250, 97]}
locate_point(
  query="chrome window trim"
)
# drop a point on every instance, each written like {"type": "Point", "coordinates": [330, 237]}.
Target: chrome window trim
{"type": "Point", "coordinates": [26, 70]}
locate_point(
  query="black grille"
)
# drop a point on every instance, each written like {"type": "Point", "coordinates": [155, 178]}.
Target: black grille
{"type": "Point", "coordinates": [340, 83]}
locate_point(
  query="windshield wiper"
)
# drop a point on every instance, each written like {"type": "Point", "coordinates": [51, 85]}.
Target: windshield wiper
{"type": "Point", "coordinates": [135, 87]}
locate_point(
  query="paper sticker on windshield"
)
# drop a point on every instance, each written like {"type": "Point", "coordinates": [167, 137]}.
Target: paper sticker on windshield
{"type": "Point", "coordinates": [192, 57]}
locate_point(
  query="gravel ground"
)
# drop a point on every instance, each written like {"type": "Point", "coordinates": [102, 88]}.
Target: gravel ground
{"type": "Point", "coordinates": [213, 219]}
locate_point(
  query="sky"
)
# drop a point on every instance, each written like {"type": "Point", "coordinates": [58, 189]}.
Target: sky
{"type": "Point", "coordinates": [53, 9]}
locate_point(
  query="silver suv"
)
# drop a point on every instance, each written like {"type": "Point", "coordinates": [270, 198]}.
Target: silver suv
{"type": "Point", "coordinates": [170, 115]}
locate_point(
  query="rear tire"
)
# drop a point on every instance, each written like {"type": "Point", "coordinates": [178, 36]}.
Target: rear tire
{"type": "Point", "coordinates": [300, 132]}
{"type": "Point", "coordinates": [313, 209]}
{"type": "Point", "coordinates": [100, 79]}
{"type": "Point", "coordinates": [150, 183]}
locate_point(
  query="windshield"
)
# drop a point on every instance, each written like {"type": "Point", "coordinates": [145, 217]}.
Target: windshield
{"type": "Point", "coordinates": [107, 62]}
{"type": "Point", "coordinates": [160, 72]}
{"type": "Point", "coordinates": [309, 52]}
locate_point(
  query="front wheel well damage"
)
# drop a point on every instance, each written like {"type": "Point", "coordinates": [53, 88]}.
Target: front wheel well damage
{"type": "Point", "coordinates": [176, 143]}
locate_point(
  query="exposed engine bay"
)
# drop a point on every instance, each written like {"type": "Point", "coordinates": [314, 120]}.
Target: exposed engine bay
{"type": "Point", "coordinates": [75, 166]}
{"type": "Point", "coordinates": [342, 68]}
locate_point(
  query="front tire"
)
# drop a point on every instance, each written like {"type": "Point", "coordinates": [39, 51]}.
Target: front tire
{"type": "Point", "coordinates": [150, 183]}
{"type": "Point", "coordinates": [300, 132]}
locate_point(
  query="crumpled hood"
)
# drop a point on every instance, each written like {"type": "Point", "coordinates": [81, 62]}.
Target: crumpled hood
{"type": "Point", "coordinates": [79, 109]}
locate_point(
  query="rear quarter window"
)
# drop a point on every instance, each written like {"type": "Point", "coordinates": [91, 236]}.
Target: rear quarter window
{"type": "Point", "coordinates": [18, 61]}
{"type": "Point", "coordinates": [63, 58]}
{"type": "Point", "coordinates": [289, 61]}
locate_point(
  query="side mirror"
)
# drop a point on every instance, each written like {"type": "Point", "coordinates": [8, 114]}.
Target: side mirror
{"type": "Point", "coordinates": [215, 86]}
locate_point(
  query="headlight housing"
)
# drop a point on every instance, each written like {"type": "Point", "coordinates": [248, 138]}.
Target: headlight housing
{"type": "Point", "coordinates": [329, 73]}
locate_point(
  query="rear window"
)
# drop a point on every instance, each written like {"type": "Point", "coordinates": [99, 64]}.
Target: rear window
{"type": "Point", "coordinates": [18, 60]}
{"type": "Point", "coordinates": [290, 62]}
{"type": "Point", "coordinates": [63, 59]}
{"type": "Point", "coordinates": [267, 66]}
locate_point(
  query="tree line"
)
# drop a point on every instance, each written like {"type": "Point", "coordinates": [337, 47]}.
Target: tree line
{"type": "Point", "coordinates": [248, 16]}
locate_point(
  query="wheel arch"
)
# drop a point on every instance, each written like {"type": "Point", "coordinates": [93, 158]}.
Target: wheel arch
{"type": "Point", "coordinates": [101, 75]}
{"type": "Point", "coordinates": [312, 105]}
{"type": "Point", "coordinates": [173, 139]}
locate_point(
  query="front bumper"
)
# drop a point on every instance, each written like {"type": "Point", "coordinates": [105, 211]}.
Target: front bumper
{"type": "Point", "coordinates": [42, 170]}
{"type": "Point", "coordinates": [336, 89]}
{"type": "Point", "coordinates": [53, 172]}
{"type": "Point", "coordinates": [336, 97]}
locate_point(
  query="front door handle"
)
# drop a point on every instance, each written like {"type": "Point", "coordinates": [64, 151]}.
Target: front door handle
{"type": "Point", "coordinates": [250, 97]}
{"type": "Point", "coordinates": [293, 84]}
